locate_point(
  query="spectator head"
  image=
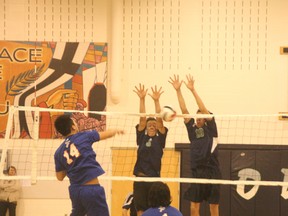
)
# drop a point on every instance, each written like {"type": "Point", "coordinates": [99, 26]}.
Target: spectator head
{"type": "Point", "coordinates": [11, 171]}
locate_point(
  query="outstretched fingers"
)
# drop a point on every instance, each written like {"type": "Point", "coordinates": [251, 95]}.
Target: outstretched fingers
{"type": "Point", "coordinates": [189, 78]}
{"type": "Point", "coordinates": [173, 79]}
{"type": "Point", "coordinates": [140, 91]}
{"type": "Point", "coordinates": [176, 83]}
{"type": "Point", "coordinates": [190, 82]}
{"type": "Point", "coordinates": [156, 93]}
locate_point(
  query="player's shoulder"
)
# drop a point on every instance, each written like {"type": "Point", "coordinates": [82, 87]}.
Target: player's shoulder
{"type": "Point", "coordinates": [60, 148]}
{"type": "Point", "coordinates": [90, 134]}
{"type": "Point", "coordinates": [173, 210]}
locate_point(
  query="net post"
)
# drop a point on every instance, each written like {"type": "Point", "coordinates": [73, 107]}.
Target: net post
{"type": "Point", "coordinates": [35, 138]}
{"type": "Point", "coordinates": [7, 137]}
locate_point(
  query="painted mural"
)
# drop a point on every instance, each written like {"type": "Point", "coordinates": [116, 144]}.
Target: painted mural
{"type": "Point", "coordinates": [56, 75]}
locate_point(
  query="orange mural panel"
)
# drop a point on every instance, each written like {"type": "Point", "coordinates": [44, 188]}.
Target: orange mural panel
{"type": "Point", "coordinates": [51, 75]}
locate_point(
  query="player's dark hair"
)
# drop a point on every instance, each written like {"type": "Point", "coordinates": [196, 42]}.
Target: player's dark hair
{"type": "Point", "coordinates": [159, 195]}
{"type": "Point", "coordinates": [200, 111]}
{"type": "Point", "coordinates": [63, 124]}
{"type": "Point", "coordinates": [150, 119]}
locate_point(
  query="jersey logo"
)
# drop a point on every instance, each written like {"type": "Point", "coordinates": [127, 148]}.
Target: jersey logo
{"type": "Point", "coordinates": [199, 132]}
{"type": "Point", "coordinates": [149, 142]}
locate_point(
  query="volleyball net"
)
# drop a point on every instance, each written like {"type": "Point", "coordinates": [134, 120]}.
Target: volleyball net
{"type": "Point", "coordinates": [31, 140]}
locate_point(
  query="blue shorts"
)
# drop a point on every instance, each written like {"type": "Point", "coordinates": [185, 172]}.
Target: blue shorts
{"type": "Point", "coordinates": [88, 200]}
{"type": "Point", "coordinates": [200, 192]}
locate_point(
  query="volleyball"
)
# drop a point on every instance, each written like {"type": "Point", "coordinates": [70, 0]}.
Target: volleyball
{"type": "Point", "coordinates": [168, 113]}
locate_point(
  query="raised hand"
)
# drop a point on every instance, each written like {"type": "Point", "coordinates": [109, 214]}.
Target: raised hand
{"type": "Point", "coordinates": [156, 93]}
{"type": "Point", "coordinates": [190, 82]}
{"type": "Point", "coordinates": [175, 82]}
{"type": "Point", "coordinates": [140, 91]}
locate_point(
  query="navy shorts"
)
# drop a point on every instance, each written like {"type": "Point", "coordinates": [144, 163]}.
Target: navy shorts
{"type": "Point", "coordinates": [200, 192]}
{"type": "Point", "coordinates": [140, 193]}
{"type": "Point", "coordinates": [88, 200]}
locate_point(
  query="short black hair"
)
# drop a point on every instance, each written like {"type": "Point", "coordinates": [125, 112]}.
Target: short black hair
{"type": "Point", "coordinates": [150, 119]}
{"type": "Point", "coordinates": [63, 124]}
{"type": "Point", "coordinates": [201, 111]}
{"type": "Point", "coordinates": [159, 195]}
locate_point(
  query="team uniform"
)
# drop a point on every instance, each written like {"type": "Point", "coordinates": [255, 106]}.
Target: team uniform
{"type": "Point", "coordinates": [162, 211]}
{"type": "Point", "coordinates": [77, 157]}
{"type": "Point", "coordinates": [148, 164]}
{"type": "Point", "coordinates": [204, 162]}
{"type": "Point", "coordinates": [129, 204]}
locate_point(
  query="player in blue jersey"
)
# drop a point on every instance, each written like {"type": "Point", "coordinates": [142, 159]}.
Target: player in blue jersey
{"type": "Point", "coordinates": [76, 159]}
{"type": "Point", "coordinates": [151, 138]}
{"type": "Point", "coordinates": [202, 134]}
{"type": "Point", "coordinates": [159, 200]}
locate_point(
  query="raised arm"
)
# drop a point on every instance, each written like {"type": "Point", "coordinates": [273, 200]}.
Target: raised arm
{"type": "Point", "coordinates": [110, 133]}
{"type": "Point", "coordinates": [156, 93]}
{"type": "Point", "coordinates": [190, 85]}
{"type": "Point", "coordinates": [177, 86]}
{"type": "Point", "coordinates": [141, 92]}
